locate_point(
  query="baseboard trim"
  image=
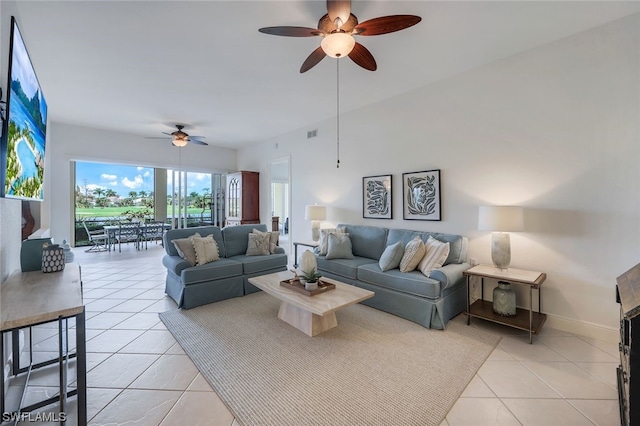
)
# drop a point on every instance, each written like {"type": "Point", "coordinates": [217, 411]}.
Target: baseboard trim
{"type": "Point", "coordinates": [594, 331]}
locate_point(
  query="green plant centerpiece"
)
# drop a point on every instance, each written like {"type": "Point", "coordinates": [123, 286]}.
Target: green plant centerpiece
{"type": "Point", "coordinates": [311, 276]}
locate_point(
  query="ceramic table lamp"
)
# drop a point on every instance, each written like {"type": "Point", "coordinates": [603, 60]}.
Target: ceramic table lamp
{"type": "Point", "coordinates": [501, 220]}
{"type": "Point", "coordinates": [315, 214]}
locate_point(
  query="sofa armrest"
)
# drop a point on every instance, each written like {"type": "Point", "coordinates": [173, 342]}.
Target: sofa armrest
{"type": "Point", "coordinates": [175, 264]}
{"type": "Point", "coordinates": [279, 250]}
{"type": "Point", "coordinates": [449, 274]}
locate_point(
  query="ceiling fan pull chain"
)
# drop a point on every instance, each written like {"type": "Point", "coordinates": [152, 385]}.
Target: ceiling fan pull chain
{"type": "Point", "coordinates": [338, 111]}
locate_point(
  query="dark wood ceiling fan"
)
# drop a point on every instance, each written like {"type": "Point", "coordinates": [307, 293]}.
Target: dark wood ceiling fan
{"type": "Point", "coordinates": [337, 29]}
{"type": "Point", "coordinates": [180, 138]}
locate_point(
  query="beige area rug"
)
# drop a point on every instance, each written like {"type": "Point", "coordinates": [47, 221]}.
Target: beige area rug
{"type": "Point", "coordinates": [373, 369]}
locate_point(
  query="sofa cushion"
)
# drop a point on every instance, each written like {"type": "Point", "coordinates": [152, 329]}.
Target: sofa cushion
{"type": "Point", "coordinates": [255, 264]}
{"type": "Point", "coordinates": [323, 244]}
{"type": "Point", "coordinates": [347, 268]}
{"type": "Point", "coordinates": [186, 249]}
{"type": "Point", "coordinates": [413, 254]}
{"type": "Point", "coordinates": [273, 239]}
{"type": "Point", "coordinates": [236, 238]}
{"type": "Point", "coordinates": [414, 283]}
{"type": "Point", "coordinates": [223, 268]}
{"type": "Point", "coordinates": [435, 256]}
{"type": "Point", "coordinates": [391, 256]}
{"type": "Point", "coordinates": [258, 244]}
{"type": "Point", "coordinates": [367, 241]}
{"type": "Point", "coordinates": [457, 243]}
{"type": "Point", "coordinates": [206, 249]}
{"type": "Point", "coordinates": [172, 234]}
{"type": "Point", "coordinates": [339, 247]}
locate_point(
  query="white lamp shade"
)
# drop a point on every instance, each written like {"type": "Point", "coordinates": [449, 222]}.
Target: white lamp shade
{"type": "Point", "coordinates": [338, 45]}
{"type": "Point", "coordinates": [501, 218]}
{"type": "Point", "coordinates": [315, 212]}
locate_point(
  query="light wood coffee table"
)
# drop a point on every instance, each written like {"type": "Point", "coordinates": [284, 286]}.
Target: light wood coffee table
{"type": "Point", "coordinates": [310, 314]}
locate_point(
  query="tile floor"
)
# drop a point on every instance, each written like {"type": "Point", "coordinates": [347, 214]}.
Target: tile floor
{"type": "Point", "coordinates": [138, 374]}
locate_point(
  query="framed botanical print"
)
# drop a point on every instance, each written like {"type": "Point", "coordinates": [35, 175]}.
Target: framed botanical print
{"type": "Point", "coordinates": [376, 197]}
{"type": "Point", "coordinates": [421, 195]}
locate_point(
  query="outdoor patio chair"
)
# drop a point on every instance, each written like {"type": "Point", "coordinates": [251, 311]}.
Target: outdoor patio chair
{"type": "Point", "coordinates": [126, 233]}
{"type": "Point", "coordinates": [97, 238]}
{"type": "Point", "coordinates": [152, 231]}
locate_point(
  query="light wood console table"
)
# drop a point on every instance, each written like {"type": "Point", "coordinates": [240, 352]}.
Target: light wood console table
{"type": "Point", "coordinates": [32, 298]}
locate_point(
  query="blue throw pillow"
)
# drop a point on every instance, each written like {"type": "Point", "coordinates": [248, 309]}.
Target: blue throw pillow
{"type": "Point", "coordinates": [339, 247]}
{"type": "Point", "coordinates": [391, 256]}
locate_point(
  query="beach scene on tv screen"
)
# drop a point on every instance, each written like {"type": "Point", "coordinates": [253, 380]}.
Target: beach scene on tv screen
{"type": "Point", "coordinates": [27, 128]}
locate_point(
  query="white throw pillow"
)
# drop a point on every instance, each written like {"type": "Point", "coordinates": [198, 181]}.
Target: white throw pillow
{"type": "Point", "coordinates": [258, 244]}
{"type": "Point", "coordinates": [206, 249]}
{"type": "Point", "coordinates": [273, 238]}
{"type": "Point", "coordinates": [437, 253]}
{"type": "Point", "coordinates": [413, 254]}
{"type": "Point", "coordinates": [323, 246]}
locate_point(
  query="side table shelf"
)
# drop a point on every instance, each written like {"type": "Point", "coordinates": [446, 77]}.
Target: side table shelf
{"type": "Point", "coordinates": [525, 319]}
{"type": "Point", "coordinates": [312, 244]}
{"type": "Point", "coordinates": [484, 309]}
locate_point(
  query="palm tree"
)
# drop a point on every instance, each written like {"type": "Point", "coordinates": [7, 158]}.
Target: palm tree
{"type": "Point", "coordinates": [133, 194]}
{"type": "Point", "coordinates": [143, 194]}
{"type": "Point", "coordinates": [99, 192]}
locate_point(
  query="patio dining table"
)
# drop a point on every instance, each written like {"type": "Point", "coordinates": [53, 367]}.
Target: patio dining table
{"type": "Point", "coordinates": [111, 231]}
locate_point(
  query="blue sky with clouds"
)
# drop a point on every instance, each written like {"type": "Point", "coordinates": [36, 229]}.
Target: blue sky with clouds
{"type": "Point", "coordinates": [124, 179]}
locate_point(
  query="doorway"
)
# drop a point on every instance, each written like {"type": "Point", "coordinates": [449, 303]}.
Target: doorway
{"type": "Point", "coordinates": [280, 199]}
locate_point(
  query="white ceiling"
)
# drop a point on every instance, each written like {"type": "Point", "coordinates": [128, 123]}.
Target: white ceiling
{"type": "Point", "coordinates": [141, 66]}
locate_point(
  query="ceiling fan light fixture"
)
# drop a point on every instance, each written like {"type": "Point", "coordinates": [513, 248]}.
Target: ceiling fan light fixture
{"type": "Point", "coordinates": [338, 44]}
{"type": "Point", "coordinates": [179, 142]}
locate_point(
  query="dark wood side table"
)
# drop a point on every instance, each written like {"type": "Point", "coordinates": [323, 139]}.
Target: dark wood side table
{"type": "Point", "coordinates": [312, 244]}
{"type": "Point", "coordinates": [524, 319]}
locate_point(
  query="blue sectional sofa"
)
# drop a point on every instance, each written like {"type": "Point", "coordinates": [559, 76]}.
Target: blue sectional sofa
{"type": "Point", "coordinates": [429, 301]}
{"type": "Point", "coordinates": [192, 286]}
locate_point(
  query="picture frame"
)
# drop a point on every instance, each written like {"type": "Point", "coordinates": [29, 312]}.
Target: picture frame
{"type": "Point", "coordinates": [421, 195]}
{"type": "Point", "coordinates": [376, 197]}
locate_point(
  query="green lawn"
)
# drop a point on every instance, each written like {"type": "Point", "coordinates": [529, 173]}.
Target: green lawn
{"type": "Point", "coordinates": [117, 211]}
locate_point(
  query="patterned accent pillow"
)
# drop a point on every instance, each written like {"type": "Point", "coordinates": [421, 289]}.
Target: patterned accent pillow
{"type": "Point", "coordinates": [437, 253]}
{"type": "Point", "coordinates": [391, 256]}
{"type": "Point", "coordinates": [323, 246]}
{"type": "Point", "coordinates": [206, 249]}
{"type": "Point", "coordinates": [413, 253]}
{"type": "Point", "coordinates": [339, 247]}
{"type": "Point", "coordinates": [258, 244]}
{"type": "Point", "coordinates": [184, 247]}
{"type": "Point", "coordinates": [273, 239]}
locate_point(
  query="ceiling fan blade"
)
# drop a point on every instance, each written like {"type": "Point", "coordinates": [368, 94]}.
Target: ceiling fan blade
{"type": "Point", "coordinates": [339, 9]}
{"type": "Point", "coordinates": [313, 60]}
{"type": "Point", "coordinates": [168, 134]}
{"type": "Point", "coordinates": [156, 137]}
{"type": "Point", "coordinates": [197, 142]}
{"type": "Point", "coordinates": [386, 24]}
{"type": "Point", "coordinates": [361, 56]}
{"type": "Point", "coordinates": [290, 31]}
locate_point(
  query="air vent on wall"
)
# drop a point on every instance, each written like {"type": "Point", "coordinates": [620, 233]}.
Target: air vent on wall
{"type": "Point", "coordinates": [312, 133]}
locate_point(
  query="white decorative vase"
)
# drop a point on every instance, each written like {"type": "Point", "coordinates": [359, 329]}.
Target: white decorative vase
{"type": "Point", "coordinates": [504, 300]}
{"type": "Point", "coordinates": [501, 250]}
{"type": "Point", "coordinates": [308, 262]}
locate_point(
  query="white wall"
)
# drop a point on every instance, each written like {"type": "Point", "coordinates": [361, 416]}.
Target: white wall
{"type": "Point", "coordinates": [554, 129]}
{"type": "Point", "coordinates": [69, 142]}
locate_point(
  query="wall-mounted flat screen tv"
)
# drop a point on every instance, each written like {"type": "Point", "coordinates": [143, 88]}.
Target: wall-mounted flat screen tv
{"type": "Point", "coordinates": [26, 128]}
